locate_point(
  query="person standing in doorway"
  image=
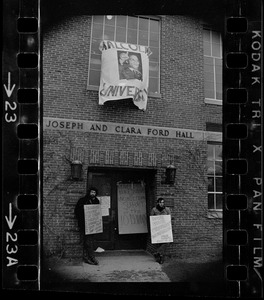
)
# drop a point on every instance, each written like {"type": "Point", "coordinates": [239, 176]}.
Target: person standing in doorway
{"type": "Point", "coordinates": [160, 209]}
{"type": "Point", "coordinates": [88, 239]}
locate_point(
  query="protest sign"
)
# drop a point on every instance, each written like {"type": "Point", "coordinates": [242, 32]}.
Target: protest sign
{"type": "Point", "coordinates": [105, 202]}
{"type": "Point", "coordinates": [93, 218]}
{"type": "Point", "coordinates": [132, 217]}
{"type": "Point", "coordinates": [160, 228]}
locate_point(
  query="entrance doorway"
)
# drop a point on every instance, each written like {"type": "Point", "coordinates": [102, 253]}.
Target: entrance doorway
{"type": "Point", "coordinates": [122, 230]}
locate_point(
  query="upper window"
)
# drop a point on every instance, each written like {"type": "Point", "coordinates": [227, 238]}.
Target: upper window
{"type": "Point", "coordinates": [212, 65]}
{"type": "Point", "coordinates": [132, 30]}
{"type": "Point", "coordinates": [215, 176]}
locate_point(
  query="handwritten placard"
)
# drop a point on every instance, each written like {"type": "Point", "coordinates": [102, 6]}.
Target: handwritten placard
{"type": "Point", "coordinates": [93, 219]}
{"type": "Point", "coordinates": [132, 216]}
{"type": "Point", "coordinates": [105, 204]}
{"type": "Point", "coordinates": [161, 230]}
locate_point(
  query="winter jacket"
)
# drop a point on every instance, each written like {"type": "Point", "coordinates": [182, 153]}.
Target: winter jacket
{"type": "Point", "coordinates": [156, 212]}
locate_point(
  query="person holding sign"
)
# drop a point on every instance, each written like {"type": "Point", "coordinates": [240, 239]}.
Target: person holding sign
{"type": "Point", "coordinates": [88, 239]}
{"type": "Point", "coordinates": [160, 209]}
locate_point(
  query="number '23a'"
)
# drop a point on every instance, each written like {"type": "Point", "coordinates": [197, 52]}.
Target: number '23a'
{"type": "Point", "coordinates": [11, 248]}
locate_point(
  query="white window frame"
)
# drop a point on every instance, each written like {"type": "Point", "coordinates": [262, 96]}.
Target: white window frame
{"type": "Point", "coordinates": [214, 138]}
{"type": "Point", "coordinates": [214, 100]}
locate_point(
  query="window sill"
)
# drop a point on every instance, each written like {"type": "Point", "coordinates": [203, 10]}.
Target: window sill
{"type": "Point", "coordinates": [155, 95]}
{"type": "Point", "coordinates": [213, 101]}
{"type": "Point", "coordinates": [96, 88]}
{"type": "Point", "coordinates": [92, 88]}
{"type": "Point", "coordinates": [212, 136]}
{"type": "Point", "coordinates": [215, 214]}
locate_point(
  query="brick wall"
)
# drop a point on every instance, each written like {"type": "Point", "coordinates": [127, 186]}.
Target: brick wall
{"type": "Point", "coordinates": [213, 113]}
{"type": "Point", "coordinates": [65, 63]}
{"type": "Point", "coordinates": [181, 105]}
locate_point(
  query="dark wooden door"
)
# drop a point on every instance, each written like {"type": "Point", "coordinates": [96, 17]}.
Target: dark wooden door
{"type": "Point", "coordinates": [103, 182]}
{"type": "Point", "coordinates": [106, 181]}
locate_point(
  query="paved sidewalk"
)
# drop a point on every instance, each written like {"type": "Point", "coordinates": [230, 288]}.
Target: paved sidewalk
{"type": "Point", "coordinates": [133, 273]}
{"type": "Point", "coordinates": [114, 266]}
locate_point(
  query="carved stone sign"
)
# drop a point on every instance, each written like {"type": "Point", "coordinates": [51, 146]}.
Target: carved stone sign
{"type": "Point", "coordinates": [127, 129]}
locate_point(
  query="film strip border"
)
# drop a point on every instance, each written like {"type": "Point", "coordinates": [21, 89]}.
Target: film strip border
{"type": "Point", "coordinates": [21, 145]}
{"type": "Point", "coordinates": [243, 158]}
{"type": "Point", "coordinates": [242, 150]}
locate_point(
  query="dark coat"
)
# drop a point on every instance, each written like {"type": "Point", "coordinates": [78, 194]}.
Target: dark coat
{"type": "Point", "coordinates": [156, 211]}
{"type": "Point", "coordinates": [128, 73]}
{"type": "Point", "coordinates": [79, 209]}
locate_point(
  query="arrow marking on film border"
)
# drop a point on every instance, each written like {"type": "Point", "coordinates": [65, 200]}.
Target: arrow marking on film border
{"type": "Point", "coordinates": [9, 220]}
{"type": "Point", "coordinates": [8, 89]}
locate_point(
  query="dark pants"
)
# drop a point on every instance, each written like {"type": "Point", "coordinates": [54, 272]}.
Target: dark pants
{"type": "Point", "coordinates": [88, 246]}
{"type": "Point", "coordinates": [161, 248]}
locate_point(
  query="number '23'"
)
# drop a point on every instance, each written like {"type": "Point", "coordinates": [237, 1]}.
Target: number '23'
{"type": "Point", "coordinates": [10, 117]}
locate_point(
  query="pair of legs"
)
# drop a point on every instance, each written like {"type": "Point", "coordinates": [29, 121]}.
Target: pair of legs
{"type": "Point", "coordinates": [160, 252]}
{"type": "Point", "coordinates": [88, 250]}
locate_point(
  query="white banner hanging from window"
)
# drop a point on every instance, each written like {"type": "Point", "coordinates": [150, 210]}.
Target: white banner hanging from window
{"type": "Point", "coordinates": [124, 73]}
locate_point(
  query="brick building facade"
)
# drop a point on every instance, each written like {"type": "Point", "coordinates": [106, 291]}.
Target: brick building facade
{"type": "Point", "coordinates": [175, 128]}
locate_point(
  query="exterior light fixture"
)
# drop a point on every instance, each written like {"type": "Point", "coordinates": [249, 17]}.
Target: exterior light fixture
{"type": "Point", "coordinates": [170, 173]}
{"type": "Point", "coordinates": [76, 170]}
{"type": "Point", "coordinates": [109, 17]}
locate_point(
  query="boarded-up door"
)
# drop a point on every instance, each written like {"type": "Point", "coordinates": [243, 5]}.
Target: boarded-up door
{"type": "Point", "coordinates": [132, 217]}
{"type": "Point", "coordinates": [124, 195]}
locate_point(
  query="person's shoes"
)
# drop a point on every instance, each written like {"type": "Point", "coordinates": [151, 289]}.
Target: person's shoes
{"type": "Point", "coordinates": [88, 261]}
{"type": "Point", "coordinates": [161, 259]}
{"type": "Point", "coordinates": [94, 260]}
{"type": "Point", "coordinates": [156, 256]}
